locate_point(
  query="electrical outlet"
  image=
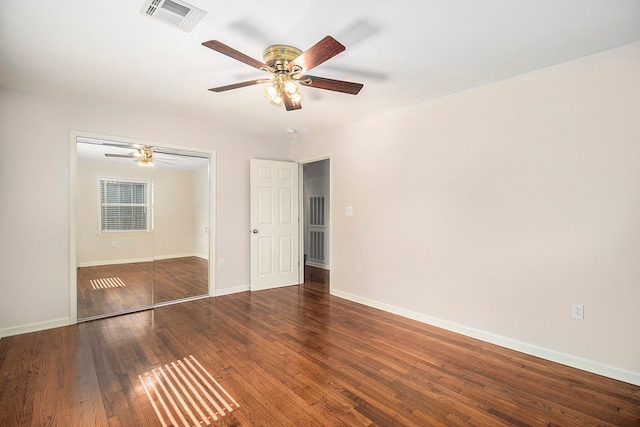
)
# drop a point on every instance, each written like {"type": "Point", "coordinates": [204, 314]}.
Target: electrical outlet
{"type": "Point", "coordinates": [577, 311]}
{"type": "Point", "coordinates": [221, 262]}
{"type": "Point", "coordinates": [358, 268]}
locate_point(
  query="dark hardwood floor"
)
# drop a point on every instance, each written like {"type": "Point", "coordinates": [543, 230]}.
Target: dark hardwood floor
{"type": "Point", "coordinates": [316, 275]}
{"type": "Point", "coordinates": [145, 284]}
{"type": "Point", "coordinates": [295, 356]}
{"type": "Point", "coordinates": [178, 278]}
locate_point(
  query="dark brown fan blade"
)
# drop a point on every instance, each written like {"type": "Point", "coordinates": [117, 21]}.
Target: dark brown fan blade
{"type": "Point", "coordinates": [331, 84]}
{"type": "Point", "coordinates": [238, 85]}
{"type": "Point", "coordinates": [289, 104]}
{"type": "Point", "coordinates": [232, 53]}
{"type": "Point", "coordinates": [320, 52]}
{"type": "Point", "coordinates": [126, 156]}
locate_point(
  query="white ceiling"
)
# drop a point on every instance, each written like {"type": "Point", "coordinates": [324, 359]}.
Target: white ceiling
{"type": "Point", "coordinates": [405, 52]}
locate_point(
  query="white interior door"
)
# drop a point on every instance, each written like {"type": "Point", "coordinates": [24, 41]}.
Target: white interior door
{"type": "Point", "coordinates": [274, 224]}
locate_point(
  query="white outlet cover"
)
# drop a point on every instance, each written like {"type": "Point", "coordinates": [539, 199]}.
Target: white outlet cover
{"type": "Point", "coordinates": [577, 311]}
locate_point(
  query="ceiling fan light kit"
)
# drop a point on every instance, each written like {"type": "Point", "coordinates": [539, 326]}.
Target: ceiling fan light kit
{"type": "Point", "coordinates": [145, 156]}
{"type": "Point", "coordinates": [287, 66]}
{"type": "Point", "coordinates": [142, 156]}
{"type": "Point", "coordinates": [281, 86]}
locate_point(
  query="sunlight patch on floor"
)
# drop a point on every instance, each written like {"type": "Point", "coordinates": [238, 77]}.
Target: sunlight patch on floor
{"type": "Point", "coordinates": [109, 282]}
{"type": "Point", "coordinates": [184, 393]}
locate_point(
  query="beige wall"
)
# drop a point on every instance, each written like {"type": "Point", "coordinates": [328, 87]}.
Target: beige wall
{"type": "Point", "coordinates": [174, 215]}
{"type": "Point", "coordinates": [34, 189]}
{"type": "Point", "coordinates": [492, 211]}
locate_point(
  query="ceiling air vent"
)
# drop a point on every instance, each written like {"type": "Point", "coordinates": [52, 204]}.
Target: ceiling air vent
{"type": "Point", "coordinates": [173, 12]}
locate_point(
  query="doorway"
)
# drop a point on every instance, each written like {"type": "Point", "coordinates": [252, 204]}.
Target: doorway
{"type": "Point", "coordinates": [142, 222]}
{"type": "Point", "coordinates": [316, 224]}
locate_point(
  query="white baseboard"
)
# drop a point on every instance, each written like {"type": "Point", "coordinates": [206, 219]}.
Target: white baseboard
{"type": "Point", "coordinates": [57, 323]}
{"type": "Point", "coordinates": [35, 327]}
{"type": "Point", "coordinates": [158, 257]}
{"type": "Point", "coordinates": [523, 347]}
{"type": "Point", "coordinates": [234, 290]}
{"type": "Point", "coordinates": [317, 265]}
{"type": "Point", "coordinates": [113, 262]}
{"type": "Point", "coordinates": [134, 260]}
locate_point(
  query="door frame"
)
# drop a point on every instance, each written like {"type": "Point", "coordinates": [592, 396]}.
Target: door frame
{"type": "Point", "coordinates": [73, 204]}
{"type": "Point", "coordinates": [301, 163]}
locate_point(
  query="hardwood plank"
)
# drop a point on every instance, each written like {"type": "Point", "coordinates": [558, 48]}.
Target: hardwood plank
{"type": "Point", "coordinates": [298, 356]}
{"type": "Point", "coordinates": [145, 284]}
{"type": "Point", "coordinates": [316, 275]}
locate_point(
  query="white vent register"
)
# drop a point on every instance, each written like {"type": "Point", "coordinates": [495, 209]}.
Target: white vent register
{"type": "Point", "coordinates": [173, 12]}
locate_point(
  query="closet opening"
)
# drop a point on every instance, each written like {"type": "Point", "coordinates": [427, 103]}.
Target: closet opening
{"type": "Point", "coordinates": [142, 226]}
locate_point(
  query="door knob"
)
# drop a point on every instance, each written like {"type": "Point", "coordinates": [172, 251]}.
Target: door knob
{"type": "Point", "coordinates": [254, 231]}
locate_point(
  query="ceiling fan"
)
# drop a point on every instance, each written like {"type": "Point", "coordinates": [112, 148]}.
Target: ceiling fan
{"type": "Point", "coordinates": [143, 155]}
{"type": "Point", "coordinates": [287, 66]}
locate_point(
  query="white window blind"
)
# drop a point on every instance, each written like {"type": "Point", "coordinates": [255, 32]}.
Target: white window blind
{"type": "Point", "coordinates": [124, 206]}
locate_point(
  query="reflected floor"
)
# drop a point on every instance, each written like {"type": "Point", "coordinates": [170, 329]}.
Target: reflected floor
{"type": "Point", "coordinates": [117, 288]}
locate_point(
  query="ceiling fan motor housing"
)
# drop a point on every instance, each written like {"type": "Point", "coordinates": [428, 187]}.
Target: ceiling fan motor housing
{"type": "Point", "coordinates": [278, 57]}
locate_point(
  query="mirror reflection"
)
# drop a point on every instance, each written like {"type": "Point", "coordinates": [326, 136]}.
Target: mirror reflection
{"type": "Point", "coordinates": [143, 227]}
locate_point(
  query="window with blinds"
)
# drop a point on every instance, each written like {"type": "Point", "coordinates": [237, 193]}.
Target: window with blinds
{"type": "Point", "coordinates": [124, 206]}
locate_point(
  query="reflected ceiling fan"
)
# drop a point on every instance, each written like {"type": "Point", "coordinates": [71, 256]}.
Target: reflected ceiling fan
{"type": "Point", "coordinates": [287, 66]}
{"type": "Point", "coordinates": [143, 156]}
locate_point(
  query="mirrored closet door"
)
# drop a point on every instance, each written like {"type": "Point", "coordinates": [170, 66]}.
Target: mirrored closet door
{"type": "Point", "coordinates": [142, 227]}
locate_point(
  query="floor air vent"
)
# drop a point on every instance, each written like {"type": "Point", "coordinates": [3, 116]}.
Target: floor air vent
{"type": "Point", "coordinates": [173, 12]}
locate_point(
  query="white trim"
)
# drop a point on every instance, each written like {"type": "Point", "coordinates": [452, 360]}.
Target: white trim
{"type": "Point", "coordinates": [318, 265]}
{"type": "Point", "coordinates": [114, 262]}
{"type": "Point", "coordinates": [213, 227]}
{"type": "Point", "coordinates": [134, 260]}
{"type": "Point", "coordinates": [234, 290]}
{"type": "Point", "coordinates": [73, 207]}
{"type": "Point", "coordinates": [35, 327]}
{"type": "Point", "coordinates": [301, 163]}
{"type": "Point", "coordinates": [313, 159]}
{"type": "Point", "coordinates": [523, 347]}
{"type": "Point", "coordinates": [160, 257]}
{"type": "Point", "coordinates": [178, 301]}
{"type": "Point", "coordinates": [73, 159]}
{"type": "Point", "coordinates": [300, 222]}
